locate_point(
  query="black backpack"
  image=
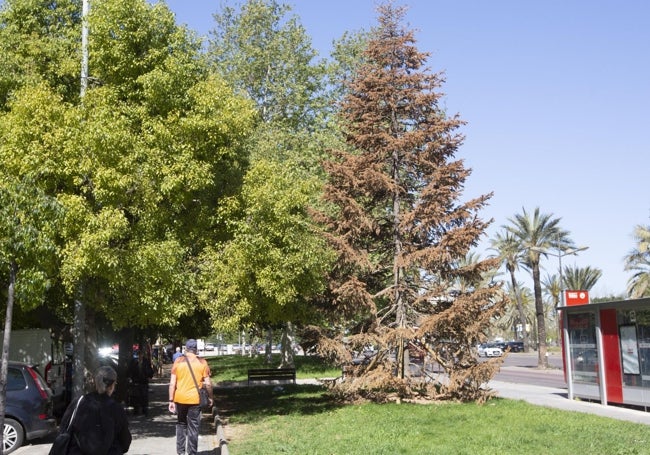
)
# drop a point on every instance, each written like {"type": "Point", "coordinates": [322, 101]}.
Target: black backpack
{"type": "Point", "coordinates": [94, 428]}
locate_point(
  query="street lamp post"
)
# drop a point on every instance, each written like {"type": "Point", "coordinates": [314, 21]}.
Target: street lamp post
{"type": "Point", "coordinates": [559, 255]}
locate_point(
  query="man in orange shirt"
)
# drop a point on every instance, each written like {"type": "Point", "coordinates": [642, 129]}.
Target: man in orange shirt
{"type": "Point", "coordinates": [184, 397]}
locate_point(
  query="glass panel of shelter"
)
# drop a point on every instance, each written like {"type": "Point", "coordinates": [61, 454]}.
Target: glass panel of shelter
{"type": "Point", "coordinates": [634, 331]}
{"type": "Point", "coordinates": [584, 352]}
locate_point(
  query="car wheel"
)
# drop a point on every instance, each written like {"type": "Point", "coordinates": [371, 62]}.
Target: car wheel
{"type": "Point", "coordinates": [13, 436]}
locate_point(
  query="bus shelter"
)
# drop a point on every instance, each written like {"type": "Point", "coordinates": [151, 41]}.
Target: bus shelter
{"type": "Point", "coordinates": [606, 351]}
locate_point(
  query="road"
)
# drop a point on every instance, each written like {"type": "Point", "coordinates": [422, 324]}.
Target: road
{"type": "Point", "coordinates": [529, 359]}
{"type": "Point", "coordinates": [521, 368]}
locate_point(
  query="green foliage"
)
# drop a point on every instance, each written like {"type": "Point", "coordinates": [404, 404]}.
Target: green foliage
{"type": "Point", "coordinates": [275, 262]}
{"type": "Point", "coordinates": [39, 41]}
{"type": "Point", "coordinates": [268, 55]}
{"type": "Point", "coordinates": [537, 233]}
{"type": "Point", "coordinates": [139, 167]}
{"type": "Point", "coordinates": [581, 277]}
{"type": "Point", "coordinates": [638, 261]}
{"type": "Point", "coordinates": [130, 39]}
{"type": "Point", "coordinates": [29, 216]}
{"type": "Point", "coordinates": [27, 238]}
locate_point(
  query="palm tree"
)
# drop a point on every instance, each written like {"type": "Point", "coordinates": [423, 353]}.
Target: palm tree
{"type": "Point", "coordinates": [553, 288]}
{"type": "Point", "coordinates": [512, 316]}
{"type": "Point", "coordinates": [581, 277]}
{"type": "Point", "coordinates": [537, 234]}
{"type": "Point", "coordinates": [510, 252]}
{"type": "Point", "coordinates": [638, 260]}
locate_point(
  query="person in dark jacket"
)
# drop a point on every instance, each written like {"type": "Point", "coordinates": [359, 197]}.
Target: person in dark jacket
{"type": "Point", "coordinates": [98, 408]}
{"type": "Point", "coordinates": [140, 371]}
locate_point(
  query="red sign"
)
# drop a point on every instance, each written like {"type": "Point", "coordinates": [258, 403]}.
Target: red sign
{"type": "Point", "coordinates": [576, 297]}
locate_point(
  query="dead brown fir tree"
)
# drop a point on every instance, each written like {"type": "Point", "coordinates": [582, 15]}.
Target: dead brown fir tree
{"type": "Point", "coordinates": [403, 283]}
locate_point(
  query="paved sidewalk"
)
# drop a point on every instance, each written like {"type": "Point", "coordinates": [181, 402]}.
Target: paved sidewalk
{"type": "Point", "coordinates": [556, 397]}
{"type": "Point", "coordinates": [152, 435]}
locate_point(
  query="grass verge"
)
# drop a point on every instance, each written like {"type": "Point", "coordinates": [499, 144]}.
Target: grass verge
{"type": "Point", "coordinates": [304, 419]}
{"type": "Point", "coordinates": [228, 368]}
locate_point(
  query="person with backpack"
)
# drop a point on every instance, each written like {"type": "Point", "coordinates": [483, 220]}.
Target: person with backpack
{"type": "Point", "coordinates": [189, 374]}
{"type": "Point", "coordinates": [100, 426]}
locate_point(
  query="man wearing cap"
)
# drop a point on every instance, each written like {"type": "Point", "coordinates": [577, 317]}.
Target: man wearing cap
{"type": "Point", "coordinates": [184, 397]}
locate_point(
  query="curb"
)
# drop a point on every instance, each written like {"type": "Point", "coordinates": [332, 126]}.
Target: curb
{"type": "Point", "coordinates": [222, 449]}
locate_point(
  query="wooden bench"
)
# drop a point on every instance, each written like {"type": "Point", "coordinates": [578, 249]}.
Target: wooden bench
{"type": "Point", "coordinates": [272, 374]}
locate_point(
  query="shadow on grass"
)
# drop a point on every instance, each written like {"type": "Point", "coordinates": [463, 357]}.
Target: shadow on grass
{"type": "Point", "coordinates": [250, 404]}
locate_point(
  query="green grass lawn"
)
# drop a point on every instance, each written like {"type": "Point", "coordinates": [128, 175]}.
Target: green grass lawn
{"type": "Point", "coordinates": [234, 367]}
{"type": "Point", "coordinates": [303, 419]}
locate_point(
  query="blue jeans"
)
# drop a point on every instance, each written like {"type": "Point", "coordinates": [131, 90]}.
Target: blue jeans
{"type": "Point", "coordinates": [187, 428]}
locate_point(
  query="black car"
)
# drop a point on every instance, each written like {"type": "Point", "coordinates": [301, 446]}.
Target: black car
{"type": "Point", "coordinates": [516, 346]}
{"type": "Point", "coordinates": [511, 346]}
{"type": "Point", "coordinates": [29, 409]}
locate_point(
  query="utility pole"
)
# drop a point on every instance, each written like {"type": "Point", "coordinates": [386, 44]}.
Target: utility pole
{"type": "Point", "coordinates": [79, 329]}
{"type": "Point", "coordinates": [84, 48]}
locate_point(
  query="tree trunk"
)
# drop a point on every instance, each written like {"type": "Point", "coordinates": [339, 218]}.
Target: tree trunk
{"type": "Point", "coordinates": [400, 313]}
{"type": "Point", "coordinates": [91, 361]}
{"type": "Point", "coordinates": [4, 368]}
{"type": "Point", "coordinates": [124, 358]}
{"type": "Point", "coordinates": [520, 309]}
{"type": "Point", "coordinates": [79, 345]}
{"type": "Point", "coordinates": [287, 346]}
{"type": "Point", "coordinates": [242, 345]}
{"type": "Point", "coordinates": [269, 345]}
{"type": "Point", "coordinates": [542, 360]}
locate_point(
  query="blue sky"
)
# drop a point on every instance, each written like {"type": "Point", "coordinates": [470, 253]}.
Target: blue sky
{"type": "Point", "coordinates": [557, 99]}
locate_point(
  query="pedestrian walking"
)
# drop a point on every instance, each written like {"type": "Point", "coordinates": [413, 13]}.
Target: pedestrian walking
{"type": "Point", "coordinates": [177, 354]}
{"type": "Point", "coordinates": [189, 372]}
{"type": "Point", "coordinates": [140, 371]}
{"type": "Point", "coordinates": [100, 425]}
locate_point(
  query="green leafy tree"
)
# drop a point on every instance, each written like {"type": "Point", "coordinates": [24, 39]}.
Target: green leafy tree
{"type": "Point", "coordinates": [28, 215]}
{"type": "Point", "coordinates": [275, 262]}
{"type": "Point", "coordinates": [141, 164]}
{"type": "Point", "coordinates": [400, 233]}
{"type": "Point", "coordinates": [266, 54]}
{"type": "Point", "coordinates": [638, 261]}
{"type": "Point", "coordinates": [537, 233]}
{"type": "Point", "coordinates": [39, 41]}
{"type": "Point", "coordinates": [162, 144]}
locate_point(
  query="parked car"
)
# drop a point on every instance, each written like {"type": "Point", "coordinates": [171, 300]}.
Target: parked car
{"type": "Point", "coordinates": [586, 359]}
{"type": "Point", "coordinates": [364, 357]}
{"type": "Point", "coordinates": [29, 412]}
{"type": "Point", "coordinates": [209, 346]}
{"type": "Point", "coordinates": [489, 350]}
{"type": "Point", "coordinates": [516, 346]}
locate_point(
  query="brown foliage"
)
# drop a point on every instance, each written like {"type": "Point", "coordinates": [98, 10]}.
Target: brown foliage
{"type": "Point", "coordinates": [402, 279]}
